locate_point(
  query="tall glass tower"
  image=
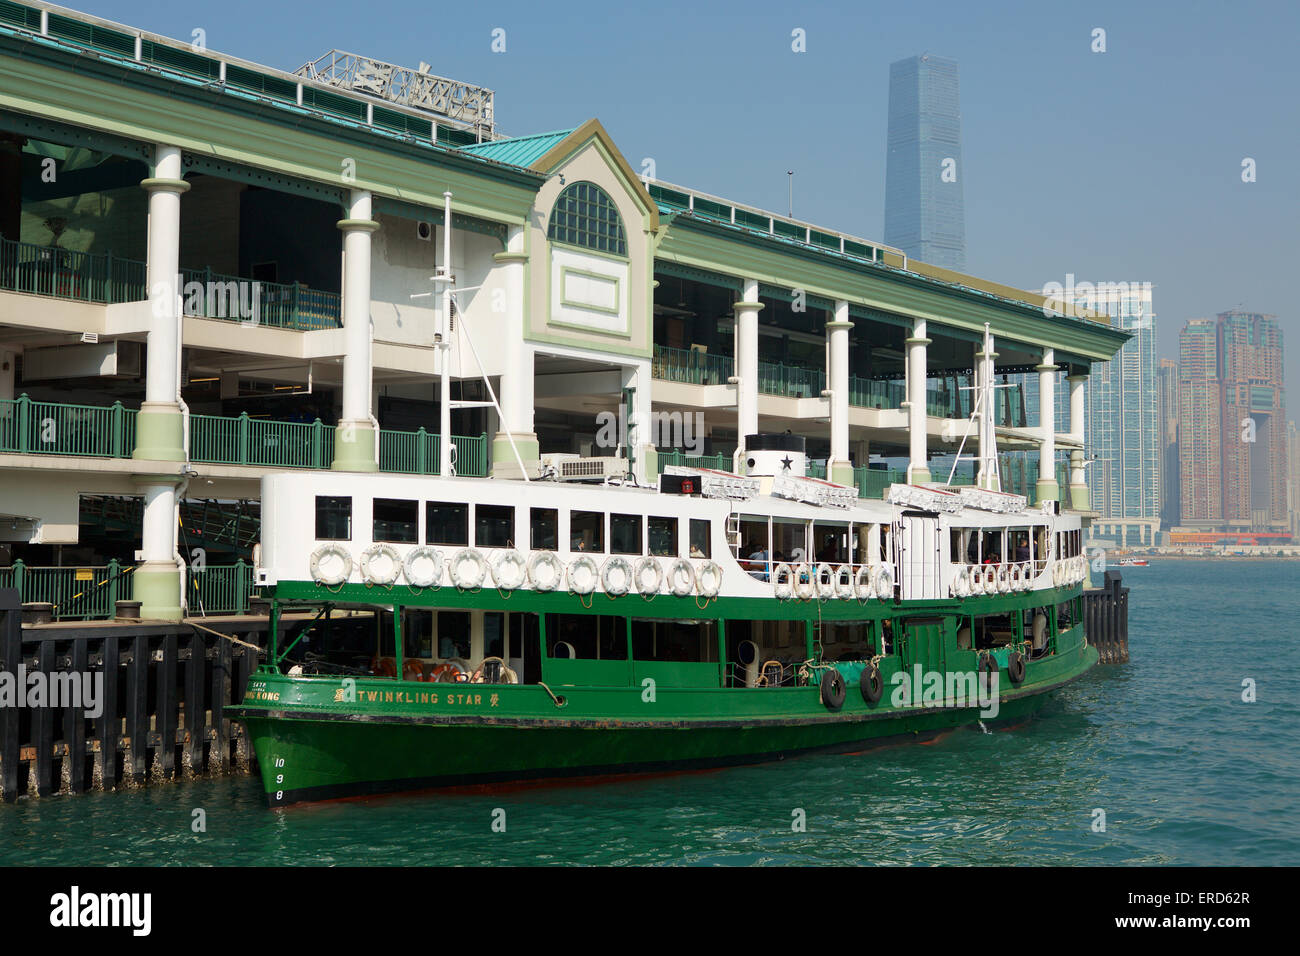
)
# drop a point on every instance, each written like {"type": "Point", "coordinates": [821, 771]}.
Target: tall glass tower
{"type": "Point", "coordinates": [924, 212]}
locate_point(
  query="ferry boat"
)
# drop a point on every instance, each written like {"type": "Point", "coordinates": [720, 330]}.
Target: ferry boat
{"type": "Point", "coordinates": [1133, 563]}
{"type": "Point", "coordinates": [478, 631]}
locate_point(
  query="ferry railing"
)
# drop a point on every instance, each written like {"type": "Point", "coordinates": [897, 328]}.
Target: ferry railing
{"type": "Point", "coordinates": [691, 366]}
{"type": "Point", "coordinates": [29, 427]}
{"type": "Point", "coordinates": [70, 274]}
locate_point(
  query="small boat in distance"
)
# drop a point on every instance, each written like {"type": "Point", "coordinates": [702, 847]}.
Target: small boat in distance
{"type": "Point", "coordinates": [1133, 563]}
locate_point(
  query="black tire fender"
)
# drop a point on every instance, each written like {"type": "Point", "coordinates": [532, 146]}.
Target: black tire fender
{"type": "Point", "coordinates": [1016, 667]}
{"type": "Point", "coordinates": [871, 685]}
{"type": "Point", "coordinates": [833, 691]}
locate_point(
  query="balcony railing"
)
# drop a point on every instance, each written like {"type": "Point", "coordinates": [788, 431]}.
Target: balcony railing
{"type": "Point", "coordinates": [876, 393]}
{"type": "Point", "coordinates": [52, 428]}
{"type": "Point", "coordinates": [273, 304]}
{"type": "Point", "coordinates": [69, 274]}
{"type": "Point", "coordinates": [790, 381]}
{"type": "Point", "coordinates": [691, 366]}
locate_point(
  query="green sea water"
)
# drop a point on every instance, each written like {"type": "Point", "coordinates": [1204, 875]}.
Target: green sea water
{"type": "Point", "coordinates": [1185, 771]}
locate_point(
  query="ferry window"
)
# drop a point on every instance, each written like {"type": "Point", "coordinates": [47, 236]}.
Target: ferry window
{"type": "Point", "coordinates": [446, 522]}
{"type": "Point", "coordinates": [587, 531]}
{"type": "Point", "coordinates": [333, 518]}
{"type": "Point", "coordinates": [494, 631]}
{"type": "Point", "coordinates": [545, 528]}
{"type": "Point", "coordinates": [625, 534]}
{"type": "Point", "coordinates": [453, 634]}
{"type": "Point", "coordinates": [687, 641]}
{"type": "Point", "coordinates": [396, 521]}
{"type": "Point", "coordinates": [992, 550]}
{"type": "Point", "coordinates": [790, 540]}
{"type": "Point", "coordinates": [494, 526]}
{"type": "Point", "coordinates": [1019, 544]}
{"type": "Point", "coordinates": [849, 641]}
{"type": "Point", "coordinates": [832, 541]}
{"type": "Point", "coordinates": [701, 547]}
{"type": "Point", "coordinates": [601, 637]}
{"type": "Point", "coordinates": [662, 536]}
{"type": "Point", "coordinates": [956, 549]}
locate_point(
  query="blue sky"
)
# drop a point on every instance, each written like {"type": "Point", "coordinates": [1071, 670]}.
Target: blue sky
{"type": "Point", "coordinates": [1123, 165]}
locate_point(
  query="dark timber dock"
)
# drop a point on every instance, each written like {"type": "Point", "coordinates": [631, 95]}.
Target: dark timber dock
{"type": "Point", "coordinates": [1105, 618]}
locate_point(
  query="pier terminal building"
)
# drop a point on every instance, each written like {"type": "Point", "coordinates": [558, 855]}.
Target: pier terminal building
{"type": "Point", "coordinates": [212, 269]}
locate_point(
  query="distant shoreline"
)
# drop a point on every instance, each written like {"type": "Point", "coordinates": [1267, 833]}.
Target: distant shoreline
{"type": "Point", "coordinates": [1153, 558]}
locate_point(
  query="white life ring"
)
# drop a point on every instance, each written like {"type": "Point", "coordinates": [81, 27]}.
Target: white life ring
{"type": "Point", "coordinates": [864, 583]}
{"type": "Point", "coordinates": [681, 577]}
{"type": "Point", "coordinates": [989, 578]}
{"type": "Point", "coordinates": [961, 582]}
{"type": "Point", "coordinates": [583, 574]}
{"type": "Point", "coordinates": [468, 569]}
{"type": "Point", "coordinates": [825, 577]}
{"type": "Point", "coordinates": [423, 567]}
{"type": "Point", "coordinates": [783, 581]}
{"type": "Point", "coordinates": [616, 575]}
{"type": "Point", "coordinates": [1004, 579]}
{"type": "Point", "coordinates": [805, 582]}
{"type": "Point", "coordinates": [649, 576]}
{"type": "Point", "coordinates": [510, 571]}
{"type": "Point", "coordinates": [709, 579]}
{"type": "Point", "coordinates": [976, 579]}
{"type": "Point", "coordinates": [380, 564]}
{"type": "Point", "coordinates": [545, 571]}
{"type": "Point", "coordinates": [331, 564]}
{"type": "Point", "coordinates": [1015, 576]}
{"type": "Point", "coordinates": [844, 582]}
{"type": "Point", "coordinates": [885, 582]}
{"type": "Point", "coordinates": [1056, 574]}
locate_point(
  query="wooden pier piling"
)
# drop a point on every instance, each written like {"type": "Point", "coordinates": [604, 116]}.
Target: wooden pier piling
{"type": "Point", "coordinates": [1105, 618]}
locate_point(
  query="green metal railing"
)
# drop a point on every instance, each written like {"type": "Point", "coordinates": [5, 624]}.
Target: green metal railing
{"type": "Point", "coordinates": [719, 462]}
{"type": "Point", "coordinates": [791, 381]}
{"type": "Point", "coordinates": [51, 428]}
{"type": "Point", "coordinates": [277, 305]}
{"type": "Point", "coordinates": [219, 589]}
{"type": "Point", "coordinates": [691, 366]}
{"type": "Point", "coordinates": [874, 482]}
{"type": "Point", "coordinates": [876, 393]}
{"type": "Point", "coordinates": [69, 274]}
{"type": "Point", "coordinates": [78, 594]}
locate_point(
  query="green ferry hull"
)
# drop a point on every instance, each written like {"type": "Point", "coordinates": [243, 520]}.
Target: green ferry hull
{"type": "Point", "coordinates": [405, 736]}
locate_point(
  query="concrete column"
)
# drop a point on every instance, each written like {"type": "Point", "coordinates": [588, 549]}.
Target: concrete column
{"type": "Point", "coordinates": [1079, 498]}
{"type": "Point", "coordinates": [986, 476]}
{"type": "Point", "coordinates": [7, 366]}
{"type": "Point", "coordinates": [160, 427]}
{"type": "Point", "coordinates": [517, 379]}
{"type": "Point", "coordinates": [918, 471]}
{"type": "Point", "coordinates": [354, 438]}
{"type": "Point", "coordinates": [641, 437]}
{"type": "Point", "coordinates": [837, 377]}
{"type": "Point", "coordinates": [746, 367]}
{"type": "Point", "coordinates": [1047, 488]}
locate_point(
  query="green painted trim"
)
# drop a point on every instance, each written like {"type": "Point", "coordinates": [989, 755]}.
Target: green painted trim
{"type": "Point", "coordinates": [158, 593]}
{"type": "Point", "coordinates": [357, 225]}
{"type": "Point", "coordinates": [508, 257]}
{"type": "Point", "coordinates": [154, 184]}
{"type": "Point", "coordinates": [358, 454]}
{"type": "Point", "coordinates": [159, 435]}
{"type": "Point", "coordinates": [503, 456]}
{"type": "Point", "coordinates": [584, 250]}
{"type": "Point", "coordinates": [1046, 489]}
{"type": "Point", "coordinates": [1079, 498]}
{"type": "Point", "coordinates": [565, 272]}
{"type": "Point", "coordinates": [842, 474]}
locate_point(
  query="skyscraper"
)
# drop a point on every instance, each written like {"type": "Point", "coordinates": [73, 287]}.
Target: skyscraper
{"type": "Point", "coordinates": [1254, 422]}
{"type": "Point", "coordinates": [924, 212]}
{"type": "Point", "coordinates": [1200, 451]}
{"type": "Point", "coordinates": [1170, 482]}
{"type": "Point", "coordinates": [1123, 432]}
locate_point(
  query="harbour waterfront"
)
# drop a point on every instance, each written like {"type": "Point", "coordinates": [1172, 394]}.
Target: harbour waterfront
{"type": "Point", "coordinates": [1186, 772]}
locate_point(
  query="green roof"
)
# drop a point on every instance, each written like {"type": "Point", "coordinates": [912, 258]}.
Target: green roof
{"type": "Point", "coordinates": [520, 150]}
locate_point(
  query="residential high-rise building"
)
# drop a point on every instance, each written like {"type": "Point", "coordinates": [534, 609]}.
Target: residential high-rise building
{"type": "Point", "coordinates": [1170, 482]}
{"type": "Point", "coordinates": [924, 211]}
{"type": "Point", "coordinates": [1254, 422]}
{"type": "Point", "coordinates": [1200, 451]}
{"type": "Point", "coordinates": [1123, 432]}
{"type": "Point", "coordinates": [1293, 478]}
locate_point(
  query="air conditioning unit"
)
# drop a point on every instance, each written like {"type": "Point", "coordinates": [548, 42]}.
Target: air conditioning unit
{"type": "Point", "coordinates": [578, 468]}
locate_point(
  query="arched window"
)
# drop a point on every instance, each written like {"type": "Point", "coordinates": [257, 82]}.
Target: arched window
{"type": "Point", "coordinates": [584, 215]}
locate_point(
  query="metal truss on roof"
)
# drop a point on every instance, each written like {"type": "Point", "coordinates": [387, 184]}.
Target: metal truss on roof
{"type": "Point", "coordinates": [418, 89]}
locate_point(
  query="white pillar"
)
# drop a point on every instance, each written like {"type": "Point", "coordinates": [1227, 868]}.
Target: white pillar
{"type": "Point", "coordinates": [160, 428]}
{"type": "Point", "coordinates": [839, 468]}
{"type": "Point", "coordinates": [918, 471]}
{"type": "Point", "coordinates": [746, 367]}
{"type": "Point", "coordinates": [640, 436]}
{"type": "Point", "coordinates": [1047, 488]}
{"type": "Point", "coordinates": [987, 475]}
{"type": "Point", "coordinates": [517, 376]}
{"type": "Point", "coordinates": [1078, 476]}
{"type": "Point", "coordinates": [354, 441]}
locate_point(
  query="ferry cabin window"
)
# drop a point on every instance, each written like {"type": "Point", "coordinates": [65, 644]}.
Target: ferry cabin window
{"type": "Point", "coordinates": [790, 540]}
{"type": "Point", "coordinates": [601, 637]}
{"type": "Point", "coordinates": [848, 641]}
{"type": "Point", "coordinates": [832, 541]}
{"type": "Point", "coordinates": [446, 522]}
{"type": "Point", "coordinates": [625, 534]}
{"type": "Point", "coordinates": [960, 545]}
{"type": "Point", "coordinates": [701, 546]}
{"type": "Point", "coordinates": [396, 521]}
{"type": "Point", "coordinates": [661, 535]}
{"type": "Point", "coordinates": [494, 526]}
{"type": "Point", "coordinates": [992, 550]}
{"type": "Point", "coordinates": [333, 518]}
{"type": "Point", "coordinates": [685, 641]}
{"type": "Point", "coordinates": [1018, 544]}
{"type": "Point", "coordinates": [755, 545]}
{"type": "Point", "coordinates": [544, 528]}
{"type": "Point", "coordinates": [587, 531]}
{"type": "Point", "coordinates": [453, 634]}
